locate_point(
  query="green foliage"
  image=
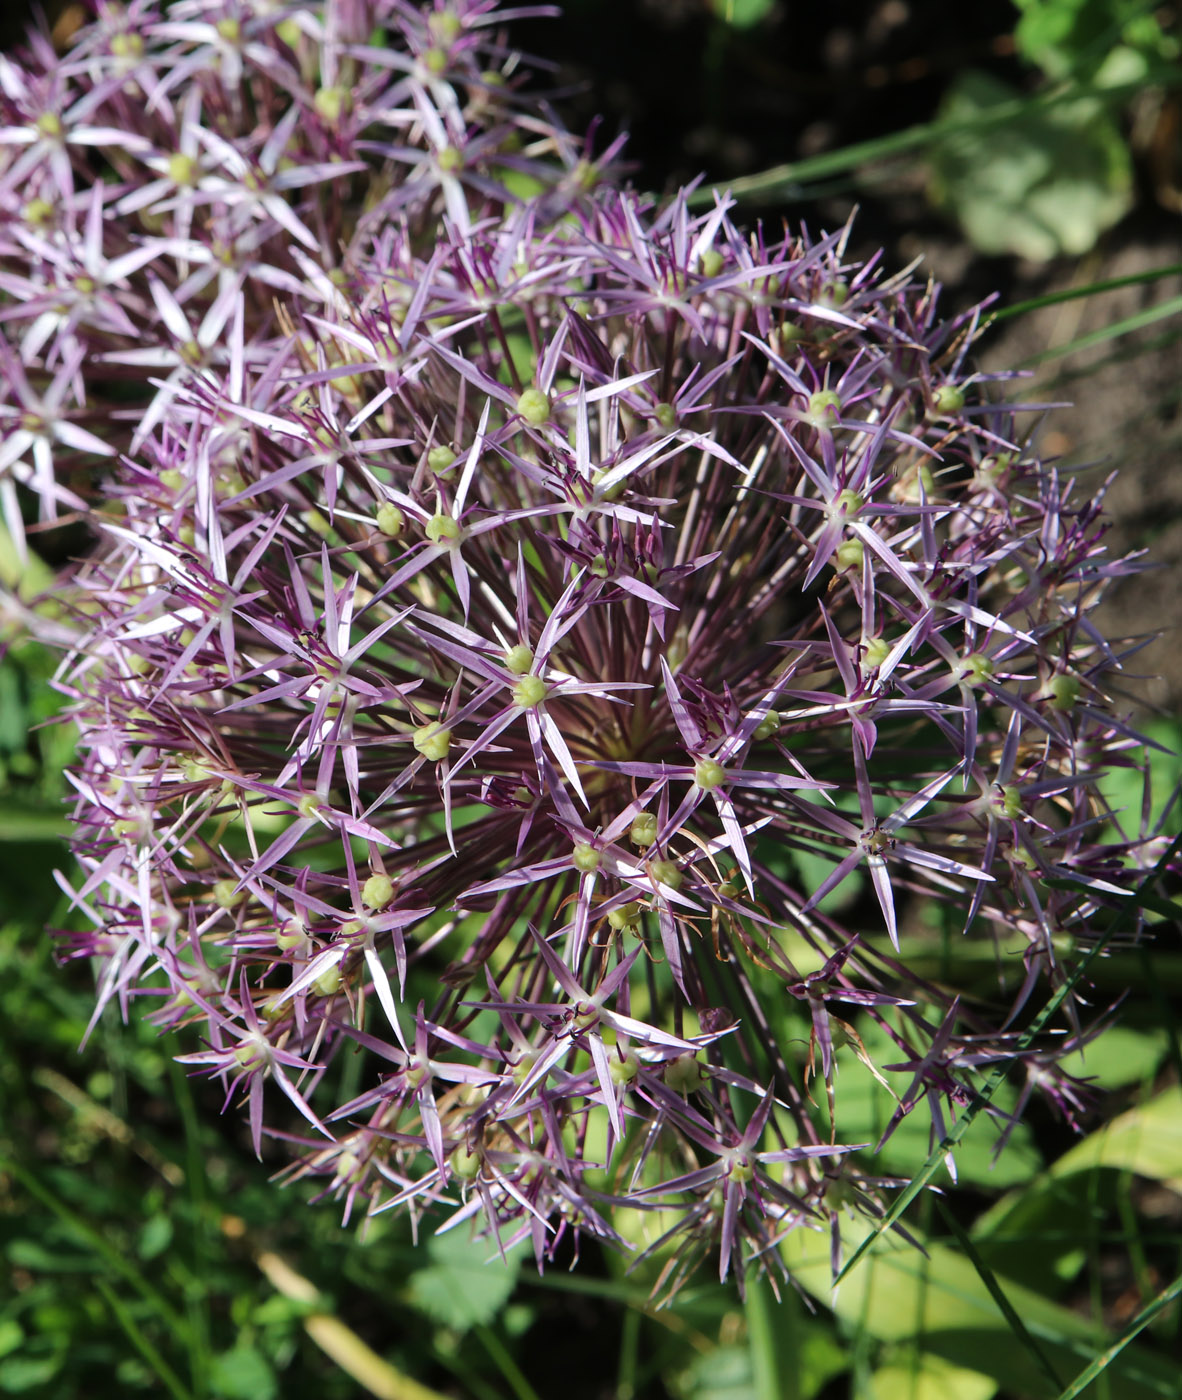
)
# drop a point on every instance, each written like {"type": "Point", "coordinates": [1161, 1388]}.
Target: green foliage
{"type": "Point", "coordinates": [742, 14]}
{"type": "Point", "coordinates": [243, 1373]}
{"type": "Point", "coordinates": [128, 1257]}
{"type": "Point", "coordinates": [1079, 38]}
{"type": "Point", "coordinates": [1053, 176]}
{"type": "Point", "coordinates": [1046, 182]}
{"type": "Point", "coordinates": [458, 1284]}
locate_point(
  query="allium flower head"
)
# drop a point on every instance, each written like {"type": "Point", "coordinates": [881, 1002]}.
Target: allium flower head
{"type": "Point", "coordinates": [509, 594]}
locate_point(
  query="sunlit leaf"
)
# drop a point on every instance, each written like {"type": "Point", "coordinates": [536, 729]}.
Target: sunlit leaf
{"type": "Point", "coordinates": [1146, 1140]}
{"type": "Point", "coordinates": [462, 1287]}
{"type": "Point", "coordinates": [1047, 183]}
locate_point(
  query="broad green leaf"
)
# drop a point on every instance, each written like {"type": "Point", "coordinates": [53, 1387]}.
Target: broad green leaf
{"type": "Point", "coordinates": [243, 1374]}
{"type": "Point", "coordinates": [931, 1378]}
{"type": "Point", "coordinates": [921, 1179]}
{"type": "Point", "coordinates": [1146, 1140]}
{"type": "Point", "coordinates": [1086, 37]}
{"type": "Point", "coordinates": [29, 577]}
{"type": "Point", "coordinates": [722, 1374]}
{"type": "Point", "coordinates": [864, 1109]}
{"type": "Point", "coordinates": [20, 1373]}
{"type": "Point", "coordinates": [1038, 1233]}
{"type": "Point", "coordinates": [1046, 183]}
{"type": "Point", "coordinates": [1123, 788]}
{"type": "Point", "coordinates": [1118, 1057]}
{"type": "Point", "coordinates": [896, 1294]}
{"type": "Point", "coordinates": [462, 1286]}
{"type": "Point", "coordinates": [725, 1373]}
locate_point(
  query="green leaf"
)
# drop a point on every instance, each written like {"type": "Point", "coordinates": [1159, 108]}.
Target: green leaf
{"type": "Point", "coordinates": [1101, 1364]}
{"type": "Point", "coordinates": [897, 1294]}
{"type": "Point", "coordinates": [742, 14]}
{"type": "Point", "coordinates": [1146, 1140]}
{"type": "Point", "coordinates": [865, 1109]}
{"type": "Point", "coordinates": [1118, 1057]}
{"type": "Point", "coordinates": [22, 823]}
{"type": "Point", "coordinates": [931, 1378]}
{"type": "Point", "coordinates": [920, 1179]}
{"type": "Point", "coordinates": [1123, 788]}
{"type": "Point", "coordinates": [28, 578]}
{"type": "Point", "coordinates": [21, 1373]}
{"type": "Point", "coordinates": [243, 1374]}
{"type": "Point", "coordinates": [155, 1237]}
{"type": "Point", "coordinates": [1138, 321]}
{"type": "Point", "coordinates": [1045, 183]}
{"type": "Point", "coordinates": [462, 1286]}
{"type": "Point", "coordinates": [34, 1256]}
{"type": "Point", "coordinates": [1084, 37]}
{"type": "Point", "coordinates": [11, 1335]}
{"type": "Point", "coordinates": [722, 1374]}
{"type": "Point", "coordinates": [1089, 289]}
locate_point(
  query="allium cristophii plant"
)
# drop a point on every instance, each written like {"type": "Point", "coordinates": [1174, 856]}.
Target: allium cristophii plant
{"type": "Point", "coordinates": [516, 608]}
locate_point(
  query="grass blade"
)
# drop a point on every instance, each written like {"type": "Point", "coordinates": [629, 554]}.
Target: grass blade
{"type": "Point", "coordinates": [1136, 322]}
{"type": "Point", "coordinates": [167, 1376]}
{"type": "Point", "coordinates": [115, 1261]}
{"type": "Point", "coordinates": [1110, 284]}
{"type": "Point", "coordinates": [786, 179]}
{"type": "Point", "coordinates": [1093, 1371]}
{"type": "Point", "coordinates": [998, 1294]}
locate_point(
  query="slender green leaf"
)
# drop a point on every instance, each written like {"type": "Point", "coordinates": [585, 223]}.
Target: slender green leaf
{"type": "Point", "coordinates": [1125, 326]}
{"type": "Point", "coordinates": [938, 1300]}
{"type": "Point", "coordinates": [164, 1372]}
{"type": "Point", "coordinates": [91, 1237]}
{"type": "Point", "coordinates": [787, 179]}
{"type": "Point", "coordinates": [1102, 1362]}
{"type": "Point", "coordinates": [1090, 289]}
{"type": "Point", "coordinates": [998, 1294]}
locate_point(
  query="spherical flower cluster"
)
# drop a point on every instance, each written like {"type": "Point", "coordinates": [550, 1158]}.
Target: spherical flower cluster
{"type": "Point", "coordinates": [516, 608]}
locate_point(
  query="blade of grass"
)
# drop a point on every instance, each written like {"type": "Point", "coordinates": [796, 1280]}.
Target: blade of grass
{"type": "Point", "coordinates": [1110, 284]}
{"type": "Point", "coordinates": [195, 1181]}
{"type": "Point", "coordinates": [767, 1383]}
{"type": "Point", "coordinates": [1125, 326]}
{"type": "Point", "coordinates": [504, 1363]}
{"type": "Point", "coordinates": [113, 1127]}
{"type": "Point", "coordinates": [1147, 1314]}
{"type": "Point", "coordinates": [629, 1354]}
{"type": "Point", "coordinates": [338, 1341]}
{"type": "Point", "coordinates": [998, 1294]}
{"type": "Point", "coordinates": [164, 1372]}
{"type": "Point", "coordinates": [917, 1184]}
